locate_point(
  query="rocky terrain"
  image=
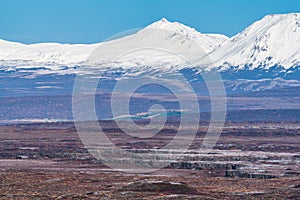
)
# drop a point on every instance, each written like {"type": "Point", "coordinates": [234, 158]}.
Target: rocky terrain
{"type": "Point", "coordinates": [252, 161]}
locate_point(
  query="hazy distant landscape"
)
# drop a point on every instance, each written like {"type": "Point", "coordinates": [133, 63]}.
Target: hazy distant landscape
{"type": "Point", "coordinates": [262, 71]}
{"type": "Point", "coordinates": [160, 112]}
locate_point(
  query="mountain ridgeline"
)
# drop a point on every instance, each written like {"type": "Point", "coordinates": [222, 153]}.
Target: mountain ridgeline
{"type": "Point", "coordinates": [266, 55]}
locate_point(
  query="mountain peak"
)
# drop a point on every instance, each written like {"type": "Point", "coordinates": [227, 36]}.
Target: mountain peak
{"type": "Point", "coordinates": [164, 20]}
{"type": "Point", "coordinates": [282, 21]}
{"type": "Point", "coordinates": [171, 26]}
{"type": "Point", "coordinates": [272, 41]}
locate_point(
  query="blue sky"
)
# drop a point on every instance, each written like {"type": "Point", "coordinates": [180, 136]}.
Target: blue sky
{"type": "Point", "coordinates": [89, 21]}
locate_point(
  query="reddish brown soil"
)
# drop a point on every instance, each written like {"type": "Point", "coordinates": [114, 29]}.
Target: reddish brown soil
{"type": "Point", "coordinates": [58, 167]}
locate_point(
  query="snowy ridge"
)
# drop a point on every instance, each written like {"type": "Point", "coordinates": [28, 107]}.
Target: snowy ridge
{"type": "Point", "coordinates": [45, 53]}
{"type": "Point", "coordinates": [159, 46]}
{"type": "Point", "coordinates": [160, 32]}
{"type": "Point", "coordinates": [7, 48]}
{"type": "Point", "coordinates": [271, 41]}
{"type": "Point", "coordinates": [208, 42]}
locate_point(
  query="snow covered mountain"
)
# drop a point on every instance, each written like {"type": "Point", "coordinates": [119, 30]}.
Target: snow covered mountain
{"type": "Point", "coordinates": [208, 42]}
{"type": "Point", "coordinates": [161, 32]}
{"type": "Point", "coordinates": [271, 41]}
{"type": "Point", "coordinates": [264, 56]}
{"type": "Point", "coordinates": [43, 53]}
